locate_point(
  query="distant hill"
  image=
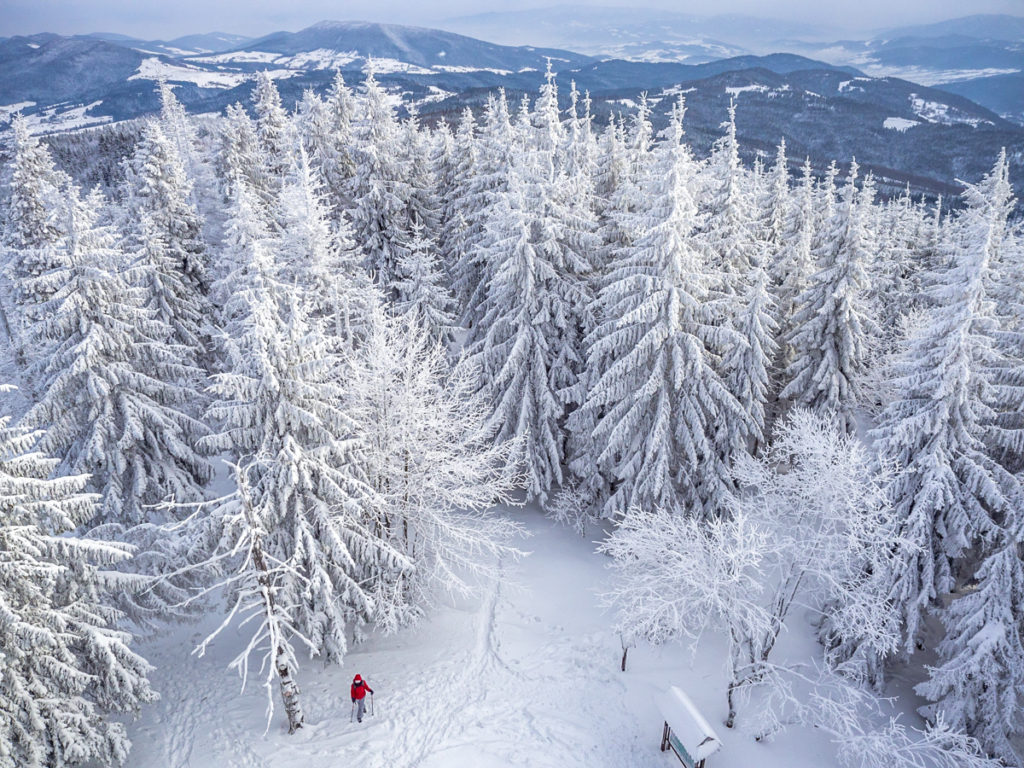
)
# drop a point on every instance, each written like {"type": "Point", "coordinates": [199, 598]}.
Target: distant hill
{"type": "Point", "coordinates": [903, 130]}
{"type": "Point", "coordinates": [638, 33]}
{"type": "Point", "coordinates": [411, 45]}
{"type": "Point", "coordinates": [210, 42]}
{"type": "Point", "coordinates": [980, 26]}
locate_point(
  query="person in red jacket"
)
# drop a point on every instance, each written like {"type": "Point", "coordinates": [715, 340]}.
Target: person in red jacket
{"type": "Point", "coordinates": [359, 689]}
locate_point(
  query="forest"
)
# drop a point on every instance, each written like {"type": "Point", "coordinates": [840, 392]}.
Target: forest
{"type": "Point", "coordinates": [294, 361]}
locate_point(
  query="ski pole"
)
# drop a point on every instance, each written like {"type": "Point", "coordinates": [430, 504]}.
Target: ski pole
{"type": "Point", "coordinates": [371, 705]}
{"type": "Point", "coordinates": [352, 713]}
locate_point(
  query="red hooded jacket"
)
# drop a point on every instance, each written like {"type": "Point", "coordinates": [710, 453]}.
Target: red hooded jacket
{"type": "Point", "coordinates": [359, 688]}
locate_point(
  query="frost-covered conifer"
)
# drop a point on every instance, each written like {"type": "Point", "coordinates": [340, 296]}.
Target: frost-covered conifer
{"type": "Point", "coordinates": [160, 193]}
{"type": "Point", "coordinates": [181, 131]}
{"type": "Point", "coordinates": [978, 684]}
{"type": "Point", "coordinates": [318, 258]}
{"type": "Point", "coordinates": [954, 499]}
{"type": "Point", "coordinates": [303, 521]}
{"type": "Point", "coordinates": [380, 189]}
{"type": "Point", "coordinates": [247, 242]}
{"type": "Point", "coordinates": [777, 203]}
{"type": "Point", "coordinates": [563, 228]}
{"type": "Point", "coordinates": [659, 400]}
{"type": "Point", "coordinates": [513, 342]}
{"type": "Point", "coordinates": [950, 493]}
{"type": "Point", "coordinates": [114, 393]}
{"type": "Point", "coordinates": [66, 668]}
{"type": "Point", "coordinates": [240, 154]}
{"type": "Point", "coordinates": [421, 291]}
{"type": "Point", "coordinates": [420, 162]}
{"type": "Point", "coordinates": [274, 130]}
{"type": "Point", "coordinates": [793, 263]}
{"type": "Point", "coordinates": [29, 234]}
{"type": "Point", "coordinates": [495, 159]}
{"type": "Point", "coordinates": [335, 156]}
{"type": "Point", "coordinates": [730, 224]}
{"type": "Point", "coordinates": [748, 364]}
{"type": "Point", "coordinates": [832, 326]}
{"type": "Point", "coordinates": [461, 227]}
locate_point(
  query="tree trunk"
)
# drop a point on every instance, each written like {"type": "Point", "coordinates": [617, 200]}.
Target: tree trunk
{"type": "Point", "coordinates": [289, 688]}
{"type": "Point", "coordinates": [289, 692]}
{"type": "Point", "coordinates": [626, 645]}
{"type": "Point", "coordinates": [730, 719]}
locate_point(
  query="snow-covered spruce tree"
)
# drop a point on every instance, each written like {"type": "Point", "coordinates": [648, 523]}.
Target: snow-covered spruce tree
{"type": "Point", "coordinates": [612, 164]}
{"type": "Point", "coordinates": [800, 537]}
{"type": "Point", "coordinates": [29, 234]}
{"type": "Point", "coordinates": [833, 328]}
{"type": "Point", "coordinates": [380, 187]}
{"type": "Point", "coordinates": [949, 495]}
{"type": "Point", "coordinates": [1005, 285]}
{"type": "Point", "coordinates": [959, 503]}
{"type": "Point", "coordinates": [421, 291]}
{"type": "Point", "coordinates": [325, 128]}
{"type": "Point", "coordinates": [274, 131]}
{"type": "Point", "coordinates": [240, 156]}
{"type": "Point", "coordinates": [792, 263]}
{"type": "Point", "coordinates": [625, 198]}
{"type": "Point", "coordinates": [433, 465]}
{"type": "Point", "coordinates": [792, 267]}
{"type": "Point", "coordinates": [622, 209]}
{"type": "Point", "coordinates": [334, 156]}
{"type": "Point", "coordinates": [896, 287]}
{"type": "Point", "coordinates": [512, 344]}
{"type": "Point", "coordinates": [460, 228]}
{"type": "Point", "coordinates": [659, 401]}
{"type": "Point", "coordinates": [583, 270]}
{"type": "Point", "coordinates": [730, 212]}
{"type": "Point", "coordinates": [978, 683]}
{"type": "Point", "coordinates": [247, 241]}
{"type": "Point", "coordinates": [496, 156]}
{"type": "Point", "coordinates": [748, 365]}
{"type": "Point", "coordinates": [164, 228]}
{"type": "Point", "coordinates": [183, 134]}
{"type": "Point", "coordinates": [564, 229]}
{"type": "Point", "coordinates": [421, 159]}
{"type": "Point", "coordinates": [113, 395]}
{"type": "Point", "coordinates": [66, 668]}
{"type": "Point", "coordinates": [303, 523]}
{"type": "Point", "coordinates": [318, 258]}
{"type": "Point", "coordinates": [776, 204]}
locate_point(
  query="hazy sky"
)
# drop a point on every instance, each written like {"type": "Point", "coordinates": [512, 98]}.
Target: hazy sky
{"type": "Point", "coordinates": [171, 18]}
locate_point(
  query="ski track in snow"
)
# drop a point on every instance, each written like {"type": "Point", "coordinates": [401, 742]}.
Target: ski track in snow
{"type": "Point", "coordinates": [437, 725]}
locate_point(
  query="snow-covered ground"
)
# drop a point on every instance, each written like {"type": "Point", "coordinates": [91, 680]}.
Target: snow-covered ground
{"type": "Point", "coordinates": [899, 123]}
{"type": "Point", "coordinates": [525, 675]}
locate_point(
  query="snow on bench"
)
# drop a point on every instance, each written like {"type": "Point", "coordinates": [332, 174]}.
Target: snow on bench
{"type": "Point", "coordinates": [686, 731]}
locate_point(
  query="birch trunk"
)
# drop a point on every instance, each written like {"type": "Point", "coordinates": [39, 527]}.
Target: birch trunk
{"type": "Point", "coordinates": [289, 692]}
{"type": "Point", "coordinates": [289, 688]}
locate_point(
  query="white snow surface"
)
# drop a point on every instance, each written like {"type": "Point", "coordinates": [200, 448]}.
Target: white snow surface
{"type": "Point", "coordinates": [527, 674]}
{"type": "Point", "coordinates": [7, 111]}
{"type": "Point", "coordinates": [937, 112]}
{"type": "Point", "coordinates": [155, 69]}
{"type": "Point", "coordinates": [64, 117]}
{"type": "Point", "coordinates": [737, 90]}
{"type": "Point", "coordinates": [900, 124]}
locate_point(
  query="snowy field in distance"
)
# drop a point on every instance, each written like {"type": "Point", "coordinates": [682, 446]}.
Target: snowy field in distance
{"type": "Point", "coordinates": [526, 675]}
